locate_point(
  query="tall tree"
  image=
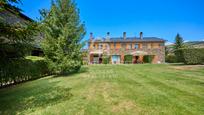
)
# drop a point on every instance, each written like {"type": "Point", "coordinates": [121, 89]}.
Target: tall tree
{"type": "Point", "coordinates": [178, 45]}
{"type": "Point", "coordinates": [63, 32]}
{"type": "Point", "coordinates": [178, 42]}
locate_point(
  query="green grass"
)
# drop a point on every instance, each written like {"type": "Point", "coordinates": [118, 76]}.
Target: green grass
{"type": "Point", "coordinates": [34, 58]}
{"type": "Point", "coordinates": [111, 90]}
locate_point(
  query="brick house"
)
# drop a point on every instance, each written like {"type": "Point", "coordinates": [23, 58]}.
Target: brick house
{"type": "Point", "coordinates": [117, 48]}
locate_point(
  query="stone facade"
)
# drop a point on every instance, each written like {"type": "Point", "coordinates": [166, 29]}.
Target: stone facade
{"type": "Point", "coordinates": [117, 48]}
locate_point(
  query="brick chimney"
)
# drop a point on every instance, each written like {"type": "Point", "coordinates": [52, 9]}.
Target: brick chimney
{"type": "Point", "coordinates": [141, 35]}
{"type": "Point", "coordinates": [108, 35]}
{"type": "Point", "coordinates": [124, 35]}
{"type": "Point", "coordinates": [91, 36]}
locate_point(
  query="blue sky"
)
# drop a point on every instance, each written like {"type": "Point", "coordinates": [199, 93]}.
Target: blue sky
{"type": "Point", "coordinates": [155, 18]}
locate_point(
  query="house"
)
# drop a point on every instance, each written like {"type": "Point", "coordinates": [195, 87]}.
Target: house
{"type": "Point", "coordinates": [117, 48]}
{"type": "Point", "coordinates": [10, 15]}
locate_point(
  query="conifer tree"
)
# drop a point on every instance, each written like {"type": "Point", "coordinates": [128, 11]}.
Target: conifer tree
{"type": "Point", "coordinates": [178, 45]}
{"type": "Point", "coordinates": [178, 42]}
{"type": "Point", "coordinates": [63, 32]}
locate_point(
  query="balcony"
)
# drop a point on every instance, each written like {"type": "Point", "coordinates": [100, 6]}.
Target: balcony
{"type": "Point", "coordinates": [139, 51]}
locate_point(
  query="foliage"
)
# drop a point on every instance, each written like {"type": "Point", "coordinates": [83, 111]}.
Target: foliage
{"type": "Point", "coordinates": [171, 58]}
{"type": "Point", "coordinates": [7, 1]}
{"type": "Point", "coordinates": [85, 56]}
{"type": "Point", "coordinates": [179, 55]}
{"type": "Point", "coordinates": [178, 44]}
{"type": "Point", "coordinates": [193, 55]}
{"type": "Point", "coordinates": [148, 58]}
{"type": "Point", "coordinates": [63, 33]}
{"type": "Point", "coordinates": [16, 38]}
{"type": "Point", "coordinates": [15, 71]}
{"type": "Point", "coordinates": [128, 59]}
{"type": "Point", "coordinates": [7, 4]}
{"type": "Point", "coordinates": [106, 59]}
{"type": "Point", "coordinates": [19, 40]}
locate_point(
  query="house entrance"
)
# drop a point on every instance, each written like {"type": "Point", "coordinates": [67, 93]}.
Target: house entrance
{"type": "Point", "coordinates": [136, 59]}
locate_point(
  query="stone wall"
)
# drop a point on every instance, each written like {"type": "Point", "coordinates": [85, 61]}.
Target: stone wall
{"type": "Point", "coordinates": [159, 53]}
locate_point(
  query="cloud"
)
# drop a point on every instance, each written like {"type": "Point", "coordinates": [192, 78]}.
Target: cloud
{"type": "Point", "coordinates": [186, 41]}
{"type": "Point", "coordinates": [169, 43]}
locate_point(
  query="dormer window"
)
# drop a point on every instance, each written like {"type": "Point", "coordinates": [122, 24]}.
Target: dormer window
{"type": "Point", "coordinates": [100, 46]}
{"type": "Point", "coordinates": [114, 45]}
{"type": "Point", "coordinates": [130, 46]}
{"type": "Point", "coordinates": [136, 46]}
{"type": "Point", "coordinates": [123, 45]}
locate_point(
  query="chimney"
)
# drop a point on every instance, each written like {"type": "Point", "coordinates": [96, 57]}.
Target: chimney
{"type": "Point", "coordinates": [141, 35]}
{"type": "Point", "coordinates": [91, 36]}
{"type": "Point", "coordinates": [124, 35]}
{"type": "Point", "coordinates": [108, 35]}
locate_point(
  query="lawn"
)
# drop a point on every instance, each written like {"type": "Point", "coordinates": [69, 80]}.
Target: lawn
{"type": "Point", "coordinates": [111, 90]}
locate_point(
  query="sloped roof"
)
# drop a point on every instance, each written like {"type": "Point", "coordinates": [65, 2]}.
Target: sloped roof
{"type": "Point", "coordinates": [130, 39]}
{"type": "Point", "coordinates": [6, 8]}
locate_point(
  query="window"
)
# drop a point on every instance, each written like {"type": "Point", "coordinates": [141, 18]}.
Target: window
{"type": "Point", "coordinates": [100, 46]}
{"type": "Point", "coordinates": [130, 46]}
{"type": "Point", "coordinates": [114, 45]}
{"type": "Point", "coordinates": [124, 45]}
{"type": "Point", "coordinates": [136, 46]}
{"type": "Point", "coordinates": [107, 46]}
{"type": "Point", "coordinates": [152, 45]}
{"type": "Point", "coordinates": [144, 45]}
{"type": "Point", "coordinates": [149, 46]}
{"type": "Point", "coordinates": [161, 44]}
{"type": "Point", "coordinates": [94, 46]}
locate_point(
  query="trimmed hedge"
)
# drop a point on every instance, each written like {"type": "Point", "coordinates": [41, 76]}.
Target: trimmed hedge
{"type": "Point", "coordinates": [171, 58]}
{"type": "Point", "coordinates": [106, 60]}
{"type": "Point", "coordinates": [179, 56]}
{"type": "Point", "coordinates": [148, 58]}
{"type": "Point", "coordinates": [193, 55]}
{"type": "Point", "coordinates": [15, 71]}
{"type": "Point", "coordinates": [128, 59]}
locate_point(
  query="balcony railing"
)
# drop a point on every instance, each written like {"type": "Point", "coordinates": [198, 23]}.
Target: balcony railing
{"type": "Point", "coordinates": [139, 51]}
{"type": "Point", "coordinates": [126, 49]}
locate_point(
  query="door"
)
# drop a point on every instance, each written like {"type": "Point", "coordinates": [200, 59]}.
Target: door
{"type": "Point", "coordinates": [115, 59]}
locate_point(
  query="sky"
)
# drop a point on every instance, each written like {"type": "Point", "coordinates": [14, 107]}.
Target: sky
{"type": "Point", "coordinates": [155, 18]}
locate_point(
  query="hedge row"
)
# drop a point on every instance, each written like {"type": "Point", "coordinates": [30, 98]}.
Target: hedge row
{"type": "Point", "coordinates": [148, 58]}
{"type": "Point", "coordinates": [192, 55]}
{"type": "Point", "coordinates": [128, 59]}
{"type": "Point", "coordinates": [19, 70]}
{"type": "Point", "coordinates": [106, 60]}
{"type": "Point", "coordinates": [171, 58]}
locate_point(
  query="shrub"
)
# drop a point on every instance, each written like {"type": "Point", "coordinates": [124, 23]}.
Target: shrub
{"type": "Point", "coordinates": [128, 59]}
{"type": "Point", "coordinates": [148, 58]}
{"type": "Point", "coordinates": [193, 55]}
{"type": "Point", "coordinates": [85, 62]}
{"type": "Point", "coordinates": [171, 58]}
{"type": "Point", "coordinates": [179, 55]}
{"type": "Point", "coordinates": [14, 71]}
{"type": "Point", "coordinates": [106, 60]}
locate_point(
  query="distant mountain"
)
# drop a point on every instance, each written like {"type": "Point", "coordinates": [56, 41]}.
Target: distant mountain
{"type": "Point", "coordinates": [195, 44]}
{"type": "Point", "coordinates": [191, 44]}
